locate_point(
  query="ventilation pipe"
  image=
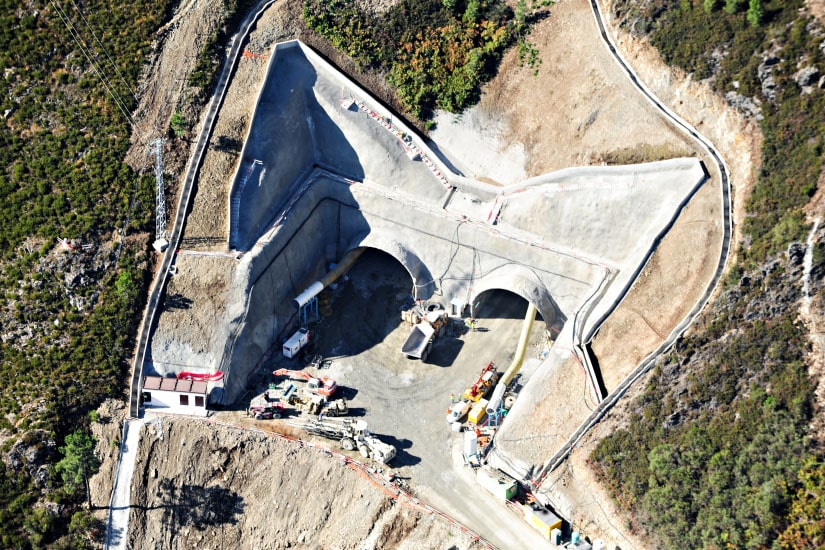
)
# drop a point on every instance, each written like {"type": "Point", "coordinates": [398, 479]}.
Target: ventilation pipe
{"type": "Point", "coordinates": [315, 288]}
{"type": "Point", "coordinates": [515, 366]}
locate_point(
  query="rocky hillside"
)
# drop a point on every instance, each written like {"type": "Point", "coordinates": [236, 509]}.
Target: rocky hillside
{"type": "Point", "coordinates": [723, 446]}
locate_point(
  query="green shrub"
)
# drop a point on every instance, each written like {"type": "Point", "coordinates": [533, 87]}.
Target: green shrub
{"type": "Point", "coordinates": [436, 54]}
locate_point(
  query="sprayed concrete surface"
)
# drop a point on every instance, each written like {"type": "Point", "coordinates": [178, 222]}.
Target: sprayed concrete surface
{"type": "Point", "coordinates": [325, 169]}
{"type": "Point", "coordinates": [319, 176]}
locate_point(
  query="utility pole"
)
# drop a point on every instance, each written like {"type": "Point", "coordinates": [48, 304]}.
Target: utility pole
{"type": "Point", "coordinates": [161, 242]}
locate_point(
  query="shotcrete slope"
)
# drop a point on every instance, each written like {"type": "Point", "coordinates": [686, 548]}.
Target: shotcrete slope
{"type": "Point", "coordinates": [560, 240]}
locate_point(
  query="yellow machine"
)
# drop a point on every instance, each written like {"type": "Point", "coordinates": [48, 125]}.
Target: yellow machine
{"type": "Point", "coordinates": [484, 385]}
{"type": "Point", "coordinates": [478, 412]}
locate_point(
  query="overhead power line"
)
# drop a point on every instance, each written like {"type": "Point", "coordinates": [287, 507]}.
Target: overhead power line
{"type": "Point", "coordinates": [95, 67]}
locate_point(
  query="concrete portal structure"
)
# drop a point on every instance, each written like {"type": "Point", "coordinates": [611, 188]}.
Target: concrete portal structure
{"type": "Point", "coordinates": [326, 169]}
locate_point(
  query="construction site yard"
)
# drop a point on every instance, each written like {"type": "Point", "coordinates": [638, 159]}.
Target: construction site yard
{"type": "Point", "coordinates": [404, 401]}
{"type": "Point", "coordinates": [597, 117]}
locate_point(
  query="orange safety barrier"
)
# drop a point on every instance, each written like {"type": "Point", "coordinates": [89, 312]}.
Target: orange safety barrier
{"type": "Point", "coordinates": [250, 55]}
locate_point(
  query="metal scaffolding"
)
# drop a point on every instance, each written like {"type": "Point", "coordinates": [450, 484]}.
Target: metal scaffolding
{"type": "Point", "coordinates": [161, 242]}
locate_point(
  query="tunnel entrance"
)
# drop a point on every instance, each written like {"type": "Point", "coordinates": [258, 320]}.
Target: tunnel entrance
{"type": "Point", "coordinates": [361, 308]}
{"type": "Point", "coordinates": [497, 303]}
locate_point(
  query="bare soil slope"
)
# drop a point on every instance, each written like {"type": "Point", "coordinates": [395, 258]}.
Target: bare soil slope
{"type": "Point", "coordinates": [202, 485]}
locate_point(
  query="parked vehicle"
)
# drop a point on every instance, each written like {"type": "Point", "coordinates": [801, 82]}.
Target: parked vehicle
{"type": "Point", "coordinates": [352, 435]}
{"type": "Point", "coordinates": [458, 411]}
{"type": "Point", "coordinates": [322, 386]}
{"type": "Point", "coordinates": [431, 325]}
{"type": "Point", "coordinates": [266, 412]}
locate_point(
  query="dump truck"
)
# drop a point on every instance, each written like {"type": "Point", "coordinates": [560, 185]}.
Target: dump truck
{"type": "Point", "coordinates": [322, 386]}
{"type": "Point", "coordinates": [352, 435]}
{"type": "Point", "coordinates": [419, 343]}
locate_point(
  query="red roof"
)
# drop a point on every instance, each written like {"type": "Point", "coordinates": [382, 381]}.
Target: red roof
{"type": "Point", "coordinates": [173, 384]}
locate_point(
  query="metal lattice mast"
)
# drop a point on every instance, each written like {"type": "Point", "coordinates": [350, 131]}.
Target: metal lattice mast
{"type": "Point", "coordinates": [156, 147]}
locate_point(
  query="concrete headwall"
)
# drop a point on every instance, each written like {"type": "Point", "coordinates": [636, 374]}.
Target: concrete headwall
{"type": "Point", "coordinates": [333, 176]}
{"type": "Point", "coordinates": [444, 256]}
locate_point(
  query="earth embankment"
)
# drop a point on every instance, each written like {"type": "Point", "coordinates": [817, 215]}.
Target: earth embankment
{"type": "Point", "coordinates": [204, 485]}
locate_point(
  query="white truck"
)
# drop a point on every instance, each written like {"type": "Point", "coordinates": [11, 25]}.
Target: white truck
{"type": "Point", "coordinates": [295, 343]}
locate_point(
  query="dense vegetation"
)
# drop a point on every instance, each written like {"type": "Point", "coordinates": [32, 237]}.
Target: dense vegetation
{"type": "Point", "coordinates": [436, 53]}
{"type": "Point", "coordinates": [717, 452]}
{"type": "Point", "coordinates": [714, 457]}
{"type": "Point", "coordinates": [714, 39]}
{"type": "Point", "coordinates": [68, 317]}
{"type": "Point", "coordinates": [71, 311]}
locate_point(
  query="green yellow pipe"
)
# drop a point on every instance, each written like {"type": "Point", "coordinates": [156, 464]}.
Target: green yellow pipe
{"type": "Point", "coordinates": [515, 366]}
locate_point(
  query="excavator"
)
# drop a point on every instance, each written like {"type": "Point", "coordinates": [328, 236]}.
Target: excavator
{"type": "Point", "coordinates": [322, 386]}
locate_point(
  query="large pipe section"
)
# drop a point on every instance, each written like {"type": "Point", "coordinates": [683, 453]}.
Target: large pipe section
{"type": "Point", "coordinates": [515, 366]}
{"type": "Point", "coordinates": [315, 288]}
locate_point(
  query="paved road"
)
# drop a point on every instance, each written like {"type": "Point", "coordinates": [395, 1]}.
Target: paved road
{"type": "Point", "coordinates": [120, 504]}
{"type": "Point", "coordinates": [557, 459]}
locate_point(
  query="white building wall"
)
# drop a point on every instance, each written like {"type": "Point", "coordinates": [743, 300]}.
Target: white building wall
{"type": "Point", "coordinates": [168, 402]}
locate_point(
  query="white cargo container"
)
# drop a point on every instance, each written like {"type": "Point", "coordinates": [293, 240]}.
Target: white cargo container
{"type": "Point", "coordinates": [296, 342]}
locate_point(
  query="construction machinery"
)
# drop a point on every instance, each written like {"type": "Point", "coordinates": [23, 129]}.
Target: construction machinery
{"type": "Point", "coordinates": [336, 407]}
{"type": "Point", "coordinates": [458, 411]}
{"type": "Point", "coordinates": [296, 343]}
{"type": "Point", "coordinates": [484, 385]}
{"type": "Point", "coordinates": [322, 386]}
{"type": "Point", "coordinates": [427, 326]}
{"type": "Point", "coordinates": [267, 411]}
{"type": "Point", "coordinates": [352, 435]}
{"type": "Point", "coordinates": [312, 404]}
{"type": "Point", "coordinates": [478, 413]}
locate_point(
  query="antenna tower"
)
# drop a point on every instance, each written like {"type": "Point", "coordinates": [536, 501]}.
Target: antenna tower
{"type": "Point", "coordinates": [156, 147]}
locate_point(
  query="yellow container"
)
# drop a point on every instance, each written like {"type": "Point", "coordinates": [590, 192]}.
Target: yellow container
{"type": "Point", "coordinates": [542, 519]}
{"type": "Point", "coordinates": [478, 412]}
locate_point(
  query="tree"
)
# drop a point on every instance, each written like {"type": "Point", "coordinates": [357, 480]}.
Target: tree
{"type": "Point", "coordinates": [755, 13]}
{"type": "Point", "coordinates": [79, 462]}
{"type": "Point", "coordinates": [731, 6]}
{"type": "Point", "coordinates": [806, 524]}
{"type": "Point", "coordinates": [178, 124]}
{"type": "Point", "coordinates": [710, 5]}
